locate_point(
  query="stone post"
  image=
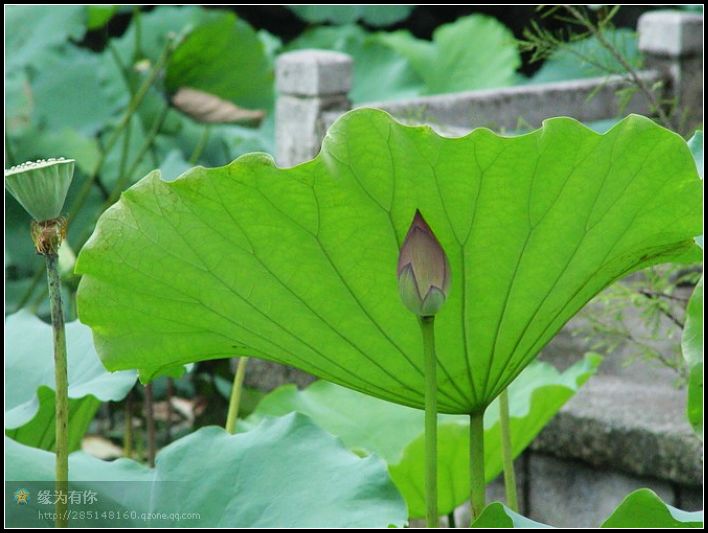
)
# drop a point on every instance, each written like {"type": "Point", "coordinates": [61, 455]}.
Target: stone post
{"type": "Point", "coordinates": [672, 42]}
{"type": "Point", "coordinates": [309, 82]}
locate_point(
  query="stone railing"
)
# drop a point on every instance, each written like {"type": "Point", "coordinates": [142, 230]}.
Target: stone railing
{"type": "Point", "coordinates": [625, 429]}
{"type": "Point", "coordinates": [313, 88]}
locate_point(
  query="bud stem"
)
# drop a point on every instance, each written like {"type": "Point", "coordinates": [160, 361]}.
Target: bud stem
{"type": "Point", "coordinates": [477, 482]}
{"type": "Point", "coordinates": [62, 389]}
{"type": "Point", "coordinates": [507, 452]}
{"type": "Point", "coordinates": [235, 400]}
{"type": "Point", "coordinates": [427, 326]}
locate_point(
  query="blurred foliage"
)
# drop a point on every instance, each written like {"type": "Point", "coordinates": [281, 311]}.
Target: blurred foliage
{"type": "Point", "coordinates": [371, 15]}
{"type": "Point", "coordinates": [587, 58]}
{"type": "Point", "coordinates": [644, 312]}
{"type": "Point", "coordinates": [111, 111]}
{"type": "Point", "coordinates": [373, 61]}
{"type": "Point", "coordinates": [474, 52]}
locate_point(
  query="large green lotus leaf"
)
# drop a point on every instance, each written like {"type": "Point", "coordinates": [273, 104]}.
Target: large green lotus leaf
{"type": "Point", "coordinates": [286, 472]}
{"type": "Point", "coordinates": [395, 432]}
{"type": "Point", "coordinates": [692, 348]}
{"type": "Point", "coordinates": [644, 509]}
{"type": "Point", "coordinates": [298, 265]}
{"type": "Point", "coordinates": [498, 515]}
{"type": "Point", "coordinates": [40, 432]}
{"type": "Point", "coordinates": [29, 359]}
{"type": "Point", "coordinates": [474, 52]}
{"type": "Point", "coordinates": [692, 337]}
{"type": "Point", "coordinates": [640, 509]}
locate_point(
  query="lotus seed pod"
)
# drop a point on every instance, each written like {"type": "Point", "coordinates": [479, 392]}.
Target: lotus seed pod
{"type": "Point", "coordinates": [423, 270]}
{"type": "Point", "coordinates": [41, 186]}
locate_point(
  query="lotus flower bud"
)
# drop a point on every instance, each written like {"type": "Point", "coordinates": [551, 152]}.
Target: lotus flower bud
{"type": "Point", "coordinates": [423, 270]}
{"type": "Point", "coordinates": [41, 186]}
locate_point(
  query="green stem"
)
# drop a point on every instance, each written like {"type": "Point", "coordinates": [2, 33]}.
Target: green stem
{"type": "Point", "coordinates": [125, 177]}
{"type": "Point", "coordinates": [451, 522]}
{"type": "Point", "coordinates": [150, 425]}
{"type": "Point", "coordinates": [62, 389]}
{"type": "Point", "coordinates": [507, 453]}
{"type": "Point", "coordinates": [170, 396]}
{"type": "Point", "coordinates": [199, 148]}
{"type": "Point", "coordinates": [128, 430]}
{"type": "Point", "coordinates": [427, 326]}
{"type": "Point", "coordinates": [138, 51]}
{"type": "Point", "coordinates": [235, 399]}
{"type": "Point", "coordinates": [133, 105]}
{"type": "Point", "coordinates": [124, 153]}
{"type": "Point", "coordinates": [477, 482]}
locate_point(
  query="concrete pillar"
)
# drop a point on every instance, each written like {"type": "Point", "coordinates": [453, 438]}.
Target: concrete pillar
{"type": "Point", "coordinates": [672, 42]}
{"type": "Point", "coordinates": [309, 82]}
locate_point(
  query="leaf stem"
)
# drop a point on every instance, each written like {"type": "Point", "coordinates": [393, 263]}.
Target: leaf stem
{"type": "Point", "coordinates": [451, 522]}
{"type": "Point", "coordinates": [133, 105]}
{"type": "Point", "coordinates": [170, 409]}
{"type": "Point", "coordinates": [477, 481]}
{"type": "Point", "coordinates": [235, 400]}
{"type": "Point", "coordinates": [62, 389]}
{"type": "Point", "coordinates": [201, 145]}
{"type": "Point", "coordinates": [150, 425]}
{"type": "Point", "coordinates": [427, 327]}
{"type": "Point", "coordinates": [125, 178]}
{"type": "Point", "coordinates": [507, 453]}
{"type": "Point", "coordinates": [128, 430]}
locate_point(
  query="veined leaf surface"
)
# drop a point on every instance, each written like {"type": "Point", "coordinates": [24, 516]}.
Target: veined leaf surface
{"type": "Point", "coordinates": [298, 265]}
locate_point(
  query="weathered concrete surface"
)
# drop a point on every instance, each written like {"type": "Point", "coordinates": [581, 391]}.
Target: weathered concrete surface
{"type": "Point", "coordinates": [631, 427]}
{"type": "Point", "coordinates": [266, 376]}
{"type": "Point", "coordinates": [671, 33]}
{"type": "Point", "coordinates": [672, 43]}
{"type": "Point", "coordinates": [314, 73]}
{"type": "Point", "coordinates": [309, 83]}
{"type": "Point", "coordinates": [570, 494]}
{"type": "Point", "coordinates": [509, 108]}
{"type": "Point", "coordinates": [299, 128]}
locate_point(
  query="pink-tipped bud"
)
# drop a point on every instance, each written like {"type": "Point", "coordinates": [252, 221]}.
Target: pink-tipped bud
{"type": "Point", "coordinates": [423, 270]}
